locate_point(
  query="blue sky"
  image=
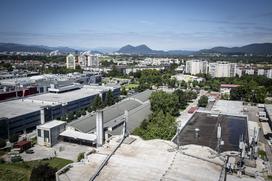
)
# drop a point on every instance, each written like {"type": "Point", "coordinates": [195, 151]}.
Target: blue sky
{"type": "Point", "coordinates": [160, 24]}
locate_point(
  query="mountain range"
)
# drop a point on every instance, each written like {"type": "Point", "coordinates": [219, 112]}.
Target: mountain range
{"type": "Point", "coordinates": [145, 50]}
{"type": "Point", "coordinates": [256, 49]}
{"type": "Point", "coordinates": [14, 47]}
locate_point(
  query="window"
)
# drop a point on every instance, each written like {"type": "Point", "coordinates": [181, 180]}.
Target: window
{"type": "Point", "coordinates": [46, 134]}
{"type": "Point", "coordinates": [39, 133]}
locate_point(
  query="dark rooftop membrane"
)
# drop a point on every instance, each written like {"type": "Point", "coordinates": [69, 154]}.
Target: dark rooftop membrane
{"type": "Point", "coordinates": [232, 128]}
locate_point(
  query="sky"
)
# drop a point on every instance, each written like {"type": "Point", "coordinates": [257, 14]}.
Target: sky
{"type": "Point", "coordinates": [160, 24]}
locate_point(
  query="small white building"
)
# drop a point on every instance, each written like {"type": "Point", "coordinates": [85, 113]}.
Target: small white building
{"type": "Point", "coordinates": [48, 133]}
{"type": "Point", "coordinates": [226, 88]}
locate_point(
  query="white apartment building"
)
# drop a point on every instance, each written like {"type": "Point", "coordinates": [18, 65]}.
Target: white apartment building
{"type": "Point", "coordinates": [194, 67]}
{"type": "Point", "coordinates": [71, 61]}
{"type": "Point", "coordinates": [260, 72]}
{"type": "Point", "coordinates": [222, 69]}
{"type": "Point", "coordinates": [269, 73]}
{"type": "Point", "coordinates": [88, 60]}
{"type": "Point", "coordinates": [249, 71]}
{"type": "Point", "coordinates": [239, 72]}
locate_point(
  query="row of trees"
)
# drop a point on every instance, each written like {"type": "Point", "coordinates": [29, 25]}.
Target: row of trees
{"type": "Point", "coordinates": [245, 93]}
{"type": "Point", "coordinates": [165, 106]}
{"type": "Point", "coordinates": [61, 70]}
{"type": "Point", "coordinates": [149, 78]}
{"type": "Point", "coordinates": [252, 88]}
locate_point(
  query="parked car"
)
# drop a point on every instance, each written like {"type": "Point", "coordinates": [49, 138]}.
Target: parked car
{"type": "Point", "coordinates": [29, 151]}
{"type": "Point", "coordinates": [16, 158]}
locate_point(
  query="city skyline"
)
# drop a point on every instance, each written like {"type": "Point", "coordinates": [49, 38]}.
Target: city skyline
{"type": "Point", "coordinates": [162, 25]}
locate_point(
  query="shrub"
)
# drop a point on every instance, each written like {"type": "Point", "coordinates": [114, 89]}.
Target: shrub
{"type": "Point", "coordinates": [2, 143]}
{"type": "Point", "coordinates": [14, 138]}
{"type": "Point", "coordinates": [80, 156]}
{"type": "Point", "coordinates": [43, 172]}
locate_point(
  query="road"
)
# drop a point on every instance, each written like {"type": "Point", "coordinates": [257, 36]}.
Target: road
{"type": "Point", "coordinates": [184, 115]}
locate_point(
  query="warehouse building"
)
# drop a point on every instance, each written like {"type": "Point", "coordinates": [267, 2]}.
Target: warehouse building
{"type": "Point", "coordinates": [138, 107]}
{"type": "Point", "coordinates": [23, 115]}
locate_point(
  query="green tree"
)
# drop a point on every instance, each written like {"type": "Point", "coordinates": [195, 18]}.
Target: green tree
{"type": "Point", "coordinates": [13, 138]}
{"type": "Point", "coordinates": [43, 172]}
{"type": "Point", "coordinates": [203, 101]}
{"type": "Point", "coordinates": [2, 143]}
{"type": "Point", "coordinates": [70, 116]}
{"type": "Point", "coordinates": [159, 126]}
{"type": "Point", "coordinates": [78, 114]}
{"type": "Point", "coordinates": [182, 97]}
{"type": "Point", "coordinates": [83, 112]}
{"type": "Point", "coordinates": [109, 98]}
{"type": "Point", "coordinates": [165, 102]}
{"type": "Point", "coordinates": [123, 91]}
{"type": "Point", "coordinates": [80, 156]}
{"type": "Point", "coordinates": [97, 103]}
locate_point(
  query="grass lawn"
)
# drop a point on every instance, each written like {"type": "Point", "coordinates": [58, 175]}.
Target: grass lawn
{"type": "Point", "coordinates": [131, 86]}
{"type": "Point", "coordinates": [21, 171]}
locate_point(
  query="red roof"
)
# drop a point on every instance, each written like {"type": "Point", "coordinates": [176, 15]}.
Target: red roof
{"type": "Point", "coordinates": [192, 109]}
{"type": "Point", "coordinates": [21, 143]}
{"type": "Point", "coordinates": [229, 85]}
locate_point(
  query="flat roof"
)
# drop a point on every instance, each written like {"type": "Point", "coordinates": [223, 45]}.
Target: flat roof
{"type": "Point", "coordinates": [78, 135]}
{"type": "Point", "coordinates": [51, 124]}
{"type": "Point", "coordinates": [148, 160]}
{"type": "Point", "coordinates": [65, 96]}
{"type": "Point", "coordinates": [228, 107]}
{"type": "Point", "coordinates": [266, 128]}
{"type": "Point", "coordinates": [232, 128]}
{"type": "Point", "coordinates": [18, 107]}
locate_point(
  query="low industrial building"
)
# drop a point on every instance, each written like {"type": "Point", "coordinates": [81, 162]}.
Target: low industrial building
{"type": "Point", "coordinates": [48, 133]}
{"type": "Point", "coordinates": [23, 115]}
{"type": "Point", "coordinates": [95, 129]}
{"type": "Point", "coordinates": [138, 107]}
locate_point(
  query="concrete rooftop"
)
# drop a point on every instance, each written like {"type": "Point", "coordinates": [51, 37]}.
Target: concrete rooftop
{"type": "Point", "coordinates": [150, 160]}
{"type": "Point", "coordinates": [65, 96]}
{"type": "Point", "coordinates": [14, 108]}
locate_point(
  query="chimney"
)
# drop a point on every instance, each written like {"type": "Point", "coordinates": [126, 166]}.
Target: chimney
{"type": "Point", "coordinates": [125, 131]}
{"type": "Point", "coordinates": [42, 115]}
{"type": "Point", "coordinates": [99, 128]}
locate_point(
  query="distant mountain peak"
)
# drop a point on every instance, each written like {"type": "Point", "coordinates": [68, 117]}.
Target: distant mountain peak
{"type": "Point", "coordinates": [140, 49]}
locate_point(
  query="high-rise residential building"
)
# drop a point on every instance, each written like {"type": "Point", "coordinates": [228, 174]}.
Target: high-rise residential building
{"type": "Point", "coordinates": [93, 61]}
{"type": "Point", "coordinates": [88, 60]}
{"type": "Point", "coordinates": [194, 66]}
{"type": "Point", "coordinates": [71, 61]}
{"type": "Point", "coordinates": [261, 72]}
{"type": "Point", "coordinates": [222, 69]}
{"type": "Point", "coordinates": [249, 71]}
{"type": "Point", "coordinates": [239, 72]}
{"type": "Point", "coordinates": [269, 73]}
